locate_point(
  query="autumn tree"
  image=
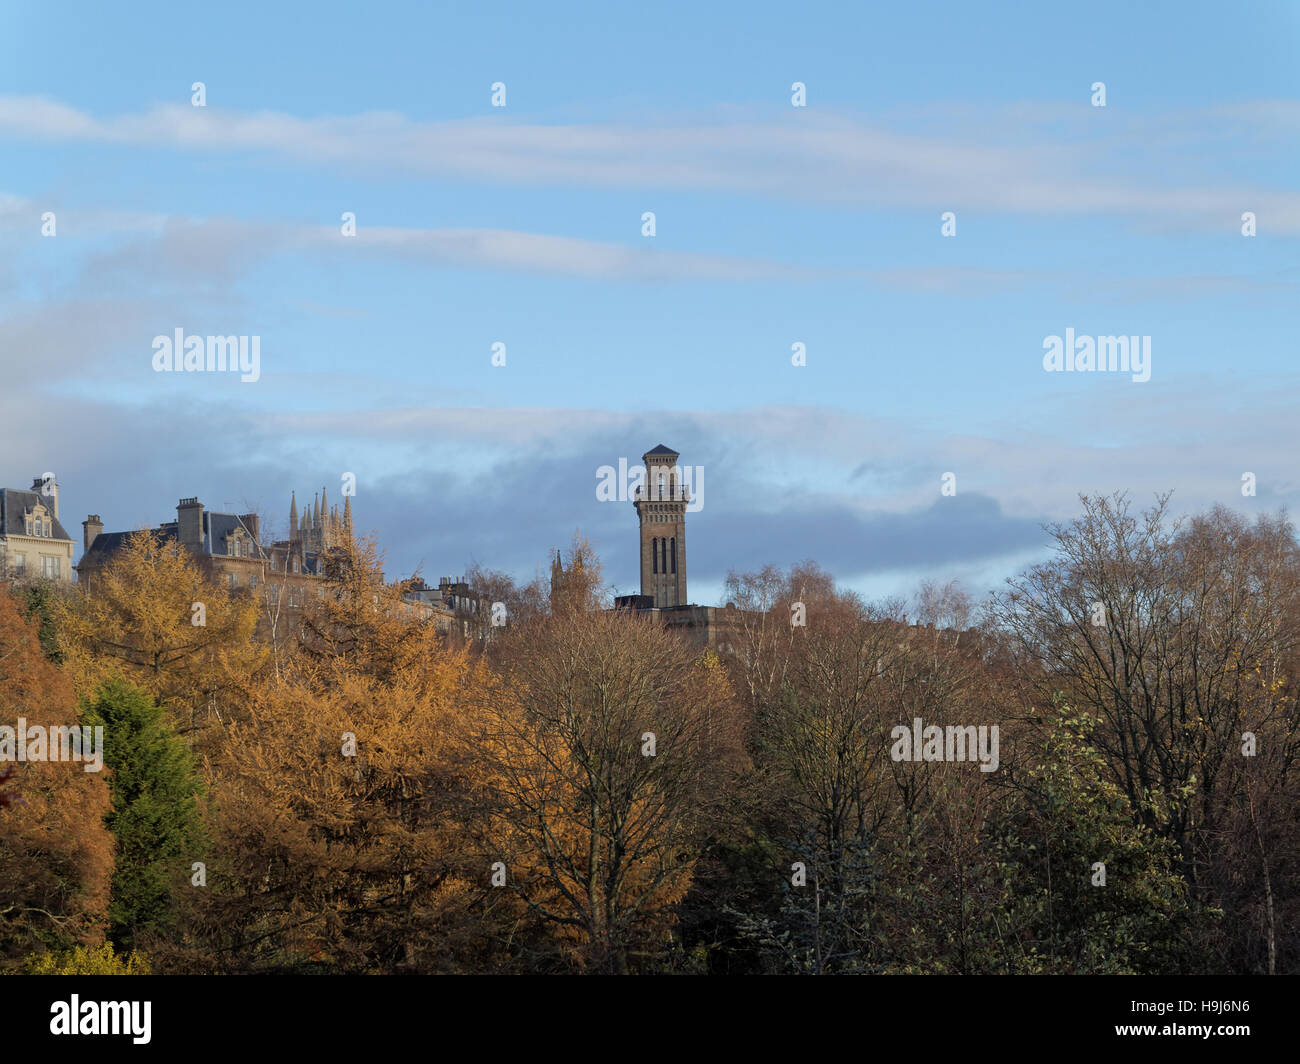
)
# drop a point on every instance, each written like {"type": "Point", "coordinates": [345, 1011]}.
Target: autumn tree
{"type": "Point", "coordinates": [521, 603]}
{"type": "Point", "coordinates": [577, 579]}
{"type": "Point", "coordinates": [768, 611]}
{"type": "Point", "coordinates": [356, 618]}
{"type": "Point", "coordinates": [339, 843]}
{"type": "Point", "coordinates": [1180, 639]}
{"type": "Point", "coordinates": [608, 745]}
{"type": "Point", "coordinates": [151, 614]}
{"type": "Point", "coordinates": [56, 856]}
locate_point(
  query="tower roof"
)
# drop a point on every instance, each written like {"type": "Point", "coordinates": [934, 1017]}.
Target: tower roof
{"type": "Point", "coordinates": [661, 449]}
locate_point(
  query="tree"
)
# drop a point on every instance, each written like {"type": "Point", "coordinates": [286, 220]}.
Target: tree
{"type": "Point", "coordinates": [155, 814]}
{"type": "Point", "coordinates": [84, 961]}
{"type": "Point", "coordinates": [860, 825]}
{"type": "Point", "coordinates": [608, 745]}
{"type": "Point", "coordinates": [1180, 639]}
{"type": "Point", "coordinates": [341, 840]}
{"type": "Point", "coordinates": [56, 856]}
{"type": "Point", "coordinates": [357, 619]}
{"type": "Point", "coordinates": [577, 579]}
{"type": "Point", "coordinates": [153, 616]}
{"type": "Point", "coordinates": [1088, 890]}
{"type": "Point", "coordinates": [39, 601]}
{"type": "Point", "coordinates": [522, 602]}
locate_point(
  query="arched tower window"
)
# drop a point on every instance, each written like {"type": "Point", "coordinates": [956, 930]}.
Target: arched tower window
{"type": "Point", "coordinates": [654, 550]}
{"type": "Point", "coordinates": [674, 542]}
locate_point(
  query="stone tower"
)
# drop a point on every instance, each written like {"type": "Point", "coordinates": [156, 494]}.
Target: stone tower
{"type": "Point", "coordinates": [661, 508]}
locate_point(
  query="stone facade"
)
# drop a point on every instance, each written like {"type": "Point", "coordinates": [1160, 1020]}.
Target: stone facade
{"type": "Point", "coordinates": [33, 544]}
{"type": "Point", "coordinates": [226, 545]}
{"type": "Point", "coordinates": [661, 509]}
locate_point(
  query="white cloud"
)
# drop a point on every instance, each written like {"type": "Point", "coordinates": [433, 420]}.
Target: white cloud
{"type": "Point", "coordinates": [989, 163]}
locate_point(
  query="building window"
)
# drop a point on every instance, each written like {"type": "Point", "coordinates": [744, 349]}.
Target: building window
{"type": "Point", "coordinates": [234, 580]}
{"type": "Point", "coordinates": [252, 580]}
{"type": "Point", "coordinates": [654, 550]}
{"type": "Point", "coordinates": [674, 542]}
{"type": "Point", "coordinates": [27, 521]}
{"type": "Point", "coordinates": [50, 568]}
{"type": "Point", "coordinates": [20, 563]}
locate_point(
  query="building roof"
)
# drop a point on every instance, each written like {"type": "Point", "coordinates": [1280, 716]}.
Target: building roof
{"type": "Point", "coordinates": [15, 503]}
{"type": "Point", "coordinates": [216, 526]}
{"type": "Point", "coordinates": [661, 449]}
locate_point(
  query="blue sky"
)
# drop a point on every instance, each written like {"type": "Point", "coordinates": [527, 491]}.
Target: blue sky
{"type": "Point", "coordinates": [774, 225]}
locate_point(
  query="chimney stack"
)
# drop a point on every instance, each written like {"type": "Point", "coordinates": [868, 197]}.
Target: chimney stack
{"type": "Point", "coordinates": [189, 524]}
{"type": "Point", "coordinates": [91, 527]}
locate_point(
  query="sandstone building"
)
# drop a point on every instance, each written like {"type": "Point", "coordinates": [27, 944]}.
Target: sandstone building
{"type": "Point", "coordinates": [33, 544]}
{"type": "Point", "coordinates": [284, 573]}
{"type": "Point", "coordinates": [661, 514]}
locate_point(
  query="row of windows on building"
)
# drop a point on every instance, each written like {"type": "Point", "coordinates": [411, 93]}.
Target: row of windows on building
{"type": "Point", "coordinates": [51, 568]}
{"type": "Point", "coordinates": [664, 550]}
{"type": "Point", "coordinates": [296, 596]}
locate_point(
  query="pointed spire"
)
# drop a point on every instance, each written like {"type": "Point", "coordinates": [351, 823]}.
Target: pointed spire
{"type": "Point", "coordinates": [347, 516]}
{"type": "Point", "coordinates": [324, 509]}
{"type": "Point", "coordinates": [293, 516]}
{"type": "Point", "coordinates": [315, 511]}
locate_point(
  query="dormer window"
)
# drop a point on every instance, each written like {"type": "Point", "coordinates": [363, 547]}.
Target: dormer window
{"type": "Point", "coordinates": [238, 544]}
{"type": "Point", "coordinates": [38, 523]}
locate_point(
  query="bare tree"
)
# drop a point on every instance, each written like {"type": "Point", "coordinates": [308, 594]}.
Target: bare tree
{"type": "Point", "coordinates": [609, 743]}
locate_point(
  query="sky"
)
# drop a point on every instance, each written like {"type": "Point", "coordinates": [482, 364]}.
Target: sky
{"type": "Point", "coordinates": [921, 438]}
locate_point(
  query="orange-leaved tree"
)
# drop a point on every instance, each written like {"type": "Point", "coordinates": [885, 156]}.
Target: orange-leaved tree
{"type": "Point", "coordinates": [152, 615]}
{"type": "Point", "coordinates": [56, 855]}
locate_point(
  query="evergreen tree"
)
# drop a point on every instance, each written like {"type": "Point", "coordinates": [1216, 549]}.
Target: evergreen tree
{"type": "Point", "coordinates": [155, 816]}
{"type": "Point", "coordinates": [38, 600]}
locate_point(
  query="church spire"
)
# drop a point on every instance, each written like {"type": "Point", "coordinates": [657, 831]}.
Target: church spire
{"type": "Point", "coordinates": [293, 516]}
{"type": "Point", "coordinates": [347, 516]}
